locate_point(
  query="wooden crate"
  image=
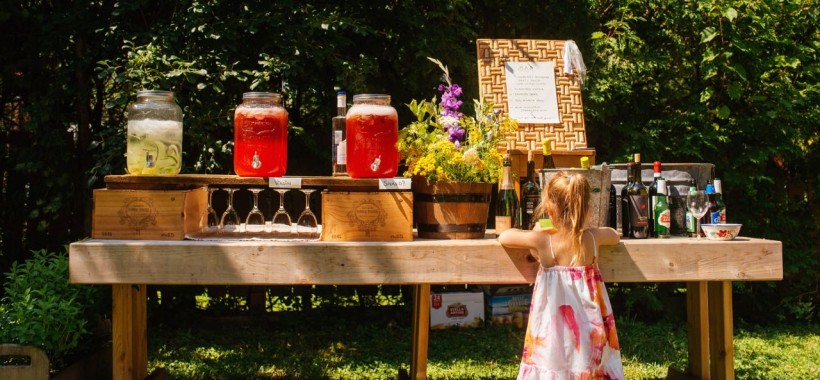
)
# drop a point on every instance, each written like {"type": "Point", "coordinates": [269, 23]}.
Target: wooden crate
{"type": "Point", "coordinates": [367, 216]}
{"type": "Point", "coordinates": [148, 214]}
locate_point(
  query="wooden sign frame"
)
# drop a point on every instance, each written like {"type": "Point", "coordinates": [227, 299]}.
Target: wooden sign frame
{"type": "Point", "coordinates": [570, 133]}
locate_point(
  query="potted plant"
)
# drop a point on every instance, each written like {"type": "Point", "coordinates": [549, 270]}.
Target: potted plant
{"type": "Point", "coordinates": [453, 159]}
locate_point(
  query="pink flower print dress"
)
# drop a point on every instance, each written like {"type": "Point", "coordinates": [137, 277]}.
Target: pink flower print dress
{"type": "Point", "coordinates": [571, 332]}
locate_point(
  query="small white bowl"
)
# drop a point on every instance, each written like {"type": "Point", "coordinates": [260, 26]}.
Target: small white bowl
{"type": "Point", "coordinates": [721, 231]}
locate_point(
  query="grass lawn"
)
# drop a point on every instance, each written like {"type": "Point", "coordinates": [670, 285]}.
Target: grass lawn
{"type": "Point", "coordinates": [373, 343]}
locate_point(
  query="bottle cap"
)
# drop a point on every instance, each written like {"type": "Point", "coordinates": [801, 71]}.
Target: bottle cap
{"type": "Point", "coordinates": [718, 186]}
{"type": "Point", "coordinates": [584, 162]}
{"type": "Point", "coordinates": [546, 147]}
{"type": "Point", "coordinates": [637, 157]}
{"type": "Point", "coordinates": [710, 189]}
{"type": "Point", "coordinates": [662, 186]}
{"type": "Point", "coordinates": [657, 166]}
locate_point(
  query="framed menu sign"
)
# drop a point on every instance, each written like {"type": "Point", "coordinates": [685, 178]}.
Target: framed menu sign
{"type": "Point", "coordinates": [531, 92]}
{"type": "Point", "coordinates": [525, 79]}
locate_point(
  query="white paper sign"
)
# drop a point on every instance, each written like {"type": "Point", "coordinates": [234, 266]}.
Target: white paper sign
{"type": "Point", "coordinates": [285, 182]}
{"type": "Point", "coordinates": [531, 92]}
{"type": "Point", "coordinates": [395, 183]}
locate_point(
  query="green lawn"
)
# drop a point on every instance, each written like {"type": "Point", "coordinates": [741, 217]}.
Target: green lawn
{"type": "Point", "coordinates": [353, 343]}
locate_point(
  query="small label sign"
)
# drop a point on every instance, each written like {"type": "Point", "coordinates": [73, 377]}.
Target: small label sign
{"type": "Point", "coordinates": [285, 182]}
{"type": "Point", "coordinates": [395, 183]}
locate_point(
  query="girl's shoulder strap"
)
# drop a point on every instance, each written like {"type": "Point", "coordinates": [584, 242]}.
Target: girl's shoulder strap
{"type": "Point", "coordinates": [594, 246]}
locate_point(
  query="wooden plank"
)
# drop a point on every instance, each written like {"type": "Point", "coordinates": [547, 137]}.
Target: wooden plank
{"type": "Point", "coordinates": [129, 332]}
{"type": "Point", "coordinates": [192, 181]}
{"type": "Point", "coordinates": [36, 369]}
{"type": "Point", "coordinates": [697, 323]}
{"type": "Point", "coordinates": [721, 329]}
{"type": "Point", "coordinates": [421, 331]}
{"type": "Point", "coordinates": [421, 261]}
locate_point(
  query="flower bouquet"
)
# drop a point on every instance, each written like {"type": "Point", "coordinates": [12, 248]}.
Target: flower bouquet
{"type": "Point", "coordinates": [443, 144]}
{"type": "Point", "coordinates": [454, 161]}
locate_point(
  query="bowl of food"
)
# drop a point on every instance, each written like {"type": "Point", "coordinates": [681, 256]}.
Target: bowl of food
{"type": "Point", "coordinates": [721, 231]}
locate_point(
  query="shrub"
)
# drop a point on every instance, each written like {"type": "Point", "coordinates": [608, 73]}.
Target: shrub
{"type": "Point", "coordinates": [42, 309]}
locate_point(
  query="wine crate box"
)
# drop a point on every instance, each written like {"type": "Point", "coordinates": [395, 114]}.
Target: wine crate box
{"type": "Point", "coordinates": [509, 304]}
{"type": "Point", "coordinates": [148, 214]}
{"type": "Point", "coordinates": [464, 309]}
{"type": "Point", "coordinates": [367, 216]}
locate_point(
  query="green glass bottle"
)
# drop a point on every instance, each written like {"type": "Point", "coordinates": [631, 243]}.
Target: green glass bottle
{"type": "Point", "coordinates": [663, 217]}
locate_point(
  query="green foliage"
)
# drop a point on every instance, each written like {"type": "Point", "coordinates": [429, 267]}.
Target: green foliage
{"type": "Point", "coordinates": [42, 309]}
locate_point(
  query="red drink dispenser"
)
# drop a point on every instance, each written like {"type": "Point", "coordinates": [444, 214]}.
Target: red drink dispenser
{"type": "Point", "coordinates": [372, 134]}
{"type": "Point", "coordinates": [260, 136]}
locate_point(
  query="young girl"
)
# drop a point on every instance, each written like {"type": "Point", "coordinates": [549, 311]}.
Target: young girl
{"type": "Point", "coordinates": [571, 332]}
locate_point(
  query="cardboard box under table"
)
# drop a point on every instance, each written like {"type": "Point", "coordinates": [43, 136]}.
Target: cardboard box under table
{"type": "Point", "coordinates": [464, 309]}
{"type": "Point", "coordinates": [357, 210]}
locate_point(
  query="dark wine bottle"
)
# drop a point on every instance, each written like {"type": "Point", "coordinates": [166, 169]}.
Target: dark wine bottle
{"type": "Point", "coordinates": [506, 207]}
{"type": "Point", "coordinates": [546, 150]}
{"type": "Point", "coordinates": [630, 177]}
{"type": "Point", "coordinates": [638, 197]}
{"type": "Point", "coordinates": [653, 192]}
{"type": "Point", "coordinates": [339, 139]}
{"type": "Point", "coordinates": [530, 195]}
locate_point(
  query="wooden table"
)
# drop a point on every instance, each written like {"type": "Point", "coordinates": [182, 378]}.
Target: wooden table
{"type": "Point", "coordinates": [708, 268]}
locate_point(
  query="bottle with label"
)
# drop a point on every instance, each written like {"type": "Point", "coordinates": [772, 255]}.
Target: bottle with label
{"type": "Point", "coordinates": [719, 199]}
{"type": "Point", "coordinates": [663, 216]}
{"type": "Point", "coordinates": [712, 209]}
{"type": "Point", "coordinates": [546, 150]}
{"type": "Point", "coordinates": [630, 177]}
{"type": "Point", "coordinates": [690, 219]}
{"type": "Point", "coordinates": [530, 195]}
{"type": "Point", "coordinates": [638, 204]}
{"type": "Point", "coordinates": [653, 191]}
{"type": "Point", "coordinates": [339, 142]}
{"type": "Point", "coordinates": [506, 207]}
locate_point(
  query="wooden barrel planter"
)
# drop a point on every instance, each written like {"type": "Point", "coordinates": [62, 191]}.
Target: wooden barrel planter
{"type": "Point", "coordinates": [451, 210]}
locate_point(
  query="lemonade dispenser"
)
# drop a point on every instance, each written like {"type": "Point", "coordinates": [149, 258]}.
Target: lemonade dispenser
{"type": "Point", "coordinates": [154, 144]}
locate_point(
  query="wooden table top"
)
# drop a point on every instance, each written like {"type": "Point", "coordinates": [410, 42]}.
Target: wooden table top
{"type": "Point", "coordinates": [422, 261]}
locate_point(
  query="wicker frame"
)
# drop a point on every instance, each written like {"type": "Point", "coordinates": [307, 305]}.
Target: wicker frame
{"type": "Point", "coordinates": [570, 134]}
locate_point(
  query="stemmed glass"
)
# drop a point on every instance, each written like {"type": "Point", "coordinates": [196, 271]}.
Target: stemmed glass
{"type": "Point", "coordinates": [697, 204]}
{"type": "Point", "coordinates": [213, 219]}
{"type": "Point", "coordinates": [307, 225]}
{"type": "Point", "coordinates": [230, 219]}
{"type": "Point", "coordinates": [255, 222]}
{"type": "Point", "coordinates": [281, 220]}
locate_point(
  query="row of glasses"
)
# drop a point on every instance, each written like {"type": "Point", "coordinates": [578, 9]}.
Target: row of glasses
{"type": "Point", "coordinates": [281, 226]}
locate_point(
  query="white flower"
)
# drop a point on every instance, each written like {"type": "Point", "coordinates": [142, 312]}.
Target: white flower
{"type": "Point", "coordinates": [448, 120]}
{"type": "Point", "coordinates": [471, 156]}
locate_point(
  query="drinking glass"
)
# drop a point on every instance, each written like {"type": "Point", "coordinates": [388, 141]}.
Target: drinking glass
{"type": "Point", "coordinates": [230, 219]}
{"type": "Point", "coordinates": [281, 219]}
{"type": "Point", "coordinates": [255, 222]}
{"type": "Point", "coordinates": [213, 218]}
{"type": "Point", "coordinates": [306, 225]}
{"type": "Point", "coordinates": [697, 205]}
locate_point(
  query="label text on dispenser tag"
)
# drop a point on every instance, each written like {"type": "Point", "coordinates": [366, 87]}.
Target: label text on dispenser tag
{"type": "Point", "coordinates": [395, 183]}
{"type": "Point", "coordinates": [285, 182]}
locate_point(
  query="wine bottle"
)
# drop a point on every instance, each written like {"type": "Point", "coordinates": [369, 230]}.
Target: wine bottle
{"type": "Point", "coordinates": [690, 219]}
{"type": "Point", "coordinates": [339, 156]}
{"type": "Point", "coordinates": [663, 216]}
{"type": "Point", "coordinates": [653, 191]}
{"type": "Point", "coordinates": [530, 195]}
{"type": "Point", "coordinates": [613, 207]}
{"type": "Point", "coordinates": [719, 199]}
{"type": "Point", "coordinates": [506, 208]}
{"type": "Point", "coordinates": [638, 204]}
{"type": "Point", "coordinates": [630, 177]}
{"type": "Point", "coordinates": [546, 150]}
{"type": "Point", "coordinates": [712, 209]}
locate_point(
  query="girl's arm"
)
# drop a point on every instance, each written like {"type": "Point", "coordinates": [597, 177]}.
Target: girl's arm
{"type": "Point", "coordinates": [607, 236]}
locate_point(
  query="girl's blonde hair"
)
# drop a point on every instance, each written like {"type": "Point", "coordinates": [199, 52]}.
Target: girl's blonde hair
{"type": "Point", "coordinates": [568, 196]}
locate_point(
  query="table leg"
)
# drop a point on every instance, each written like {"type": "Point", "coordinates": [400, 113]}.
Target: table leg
{"type": "Point", "coordinates": [129, 331]}
{"type": "Point", "coordinates": [421, 331]}
{"type": "Point", "coordinates": [697, 323]}
{"type": "Point", "coordinates": [721, 330]}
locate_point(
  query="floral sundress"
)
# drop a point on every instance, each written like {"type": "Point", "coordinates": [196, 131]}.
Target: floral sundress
{"type": "Point", "coordinates": [571, 332]}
